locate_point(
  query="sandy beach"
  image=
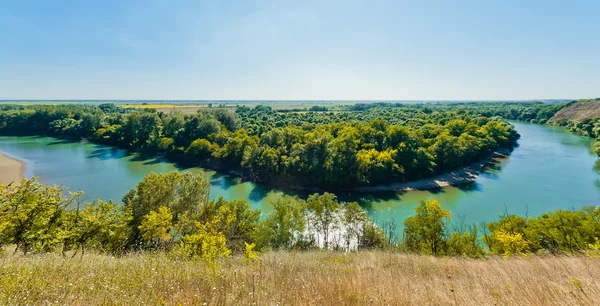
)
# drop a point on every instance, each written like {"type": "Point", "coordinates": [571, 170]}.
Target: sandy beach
{"type": "Point", "coordinates": [11, 169]}
{"type": "Point", "coordinates": [456, 177]}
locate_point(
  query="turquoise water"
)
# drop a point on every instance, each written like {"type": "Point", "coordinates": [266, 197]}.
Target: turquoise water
{"type": "Point", "coordinates": [550, 169]}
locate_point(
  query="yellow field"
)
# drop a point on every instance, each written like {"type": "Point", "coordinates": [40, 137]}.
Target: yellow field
{"type": "Point", "coordinates": [309, 278]}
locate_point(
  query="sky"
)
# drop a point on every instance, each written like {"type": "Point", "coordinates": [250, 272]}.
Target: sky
{"type": "Point", "coordinates": [299, 50]}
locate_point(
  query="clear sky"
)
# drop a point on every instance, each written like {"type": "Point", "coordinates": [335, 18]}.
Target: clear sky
{"type": "Point", "coordinates": [445, 49]}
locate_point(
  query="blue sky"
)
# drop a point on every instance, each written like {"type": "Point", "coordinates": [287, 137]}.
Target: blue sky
{"type": "Point", "coordinates": [151, 49]}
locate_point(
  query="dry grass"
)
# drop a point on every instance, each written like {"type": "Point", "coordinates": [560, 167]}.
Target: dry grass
{"type": "Point", "coordinates": [579, 111]}
{"type": "Point", "coordinates": [315, 278]}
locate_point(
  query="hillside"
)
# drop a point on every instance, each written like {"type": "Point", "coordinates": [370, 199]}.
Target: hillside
{"type": "Point", "coordinates": [579, 111]}
{"type": "Point", "coordinates": [305, 278]}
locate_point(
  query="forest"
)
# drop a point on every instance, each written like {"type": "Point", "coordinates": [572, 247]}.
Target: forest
{"type": "Point", "coordinates": [173, 213]}
{"type": "Point", "coordinates": [373, 145]}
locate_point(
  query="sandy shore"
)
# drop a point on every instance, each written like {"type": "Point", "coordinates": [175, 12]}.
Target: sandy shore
{"type": "Point", "coordinates": [11, 169]}
{"type": "Point", "coordinates": [456, 177]}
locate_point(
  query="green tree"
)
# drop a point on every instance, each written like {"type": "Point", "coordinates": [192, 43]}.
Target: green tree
{"type": "Point", "coordinates": [235, 219]}
{"type": "Point", "coordinates": [353, 223]}
{"type": "Point", "coordinates": [200, 148]}
{"type": "Point", "coordinates": [325, 210]}
{"type": "Point", "coordinates": [424, 232]}
{"type": "Point", "coordinates": [156, 227]}
{"type": "Point", "coordinates": [464, 244]}
{"type": "Point", "coordinates": [207, 244]}
{"type": "Point", "coordinates": [372, 237]}
{"type": "Point", "coordinates": [180, 192]}
{"type": "Point", "coordinates": [101, 225]}
{"type": "Point", "coordinates": [31, 214]}
{"type": "Point", "coordinates": [284, 226]}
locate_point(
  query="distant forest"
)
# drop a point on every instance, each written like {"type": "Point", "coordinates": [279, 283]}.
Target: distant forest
{"type": "Point", "coordinates": [357, 145]}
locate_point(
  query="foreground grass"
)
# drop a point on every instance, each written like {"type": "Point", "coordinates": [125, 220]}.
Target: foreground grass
{"type": "Point", "coordinates": [314, 278]}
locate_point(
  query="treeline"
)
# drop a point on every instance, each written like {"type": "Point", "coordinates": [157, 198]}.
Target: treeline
{"type": "Point", "coordinates": [173, 213]}
{"type": "Point", "coordinates": [538, 113]}
{"type": "Point", "coordinates": [534, 112]}
{"type": "Point", "coordinates": [561, 231]}
{"type": "Point", "coordinates": [325, 149]}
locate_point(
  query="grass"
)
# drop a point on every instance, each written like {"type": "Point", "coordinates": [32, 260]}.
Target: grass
{"type": "Point", "coordinates": [312, 278]}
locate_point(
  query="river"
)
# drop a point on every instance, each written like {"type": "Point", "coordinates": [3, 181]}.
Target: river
{"type": "Point", "coordinates": [550, 169]}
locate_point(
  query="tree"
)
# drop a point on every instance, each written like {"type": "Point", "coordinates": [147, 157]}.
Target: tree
{"type": "Point", "coordinates": [324, 214]}
{"type": "Point", "coordinates": [509, 226]}
{"type": "Point", "coordinates": [207, 244]}
{"type": "Point", "coordinates": [464, 244]}
{"type": "Point", "coordinates": [229, 119]}
{"type": "Point", "coordinates": [100, 224]}
{"type": "Point", "coordinates": [200, 148]}
{"type": "Point", "coordinates": [31, 214]}
{"type": "Point", "coordinates": [180, 192]}
{"type": "Point", "coordinates": [156, 226]}
{"type": "Point", "coordinates": [372, 237]}
{"type": "Point", "coordinates": [511, 243]}
{"type": "Point", "coordinates": [108, 107]}
{"type": "Point", "coordinates": [424, 232]}
{"type": "Point", "coordinates": [284, 227]}
{"type": "Point", "coordinates": [141, 129]}
{"type": "Point", "coordinates": [173, 124]}
{"type": "Point", "coordinates": [166, 144]}
{"type": "Point", "coordinates": [354, 220]}
{"type": "Point", "coordinates": [235, 219]}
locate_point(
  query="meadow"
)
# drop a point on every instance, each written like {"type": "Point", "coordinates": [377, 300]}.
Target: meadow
{"type": "Point", "coordinates": [304, 278]}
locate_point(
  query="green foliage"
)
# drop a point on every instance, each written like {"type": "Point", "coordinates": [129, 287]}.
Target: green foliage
{"type": "Point", "coordinates": [317, 108]}
{"type": "Point", "coordinates": [424, 232]}
{"type": "Point", "coordinates": [559, 231]}
{"type": "Point", "coordinates": [180, 192]}
{"type": "Point", "coordinates": [282, 229]}
{"type": "Point", "coordinates": [31, 214]}
{"type": "Point", "coordinates": [235, 219]}
{"type": "Point", "coordinates": [464, 244]}
{"type": "Point", "coordinates": [374, 144]}
{"type": "Point", "coordinates": [156, 226]}
{"type": "Point", "coordinates": [250, 256]}
{"type": "Point", "coordinates": [173, 210]}
{"type": "Point", "coordinates": [200, 148]}
{"type": "Point", "coordinates": [100, 225]}
{"type": "Point", "coordinates": [166, 144]}
{"type": "Point", "coordinates": [324, 211]}
{"type": "Point", "coordinates": [372, 237]}
{"type": "Point", "coordinates": [511, 243]}
{"type": "Point", "coordinates": [207, 244]}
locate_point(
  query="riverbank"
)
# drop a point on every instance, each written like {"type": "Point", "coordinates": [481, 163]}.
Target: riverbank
{"type": "Point", "coordinates": [11, 170]}
{"type": "Point", "coordinates": [460, 176]}
{"type": "Point", "coordinates": [300, 278]}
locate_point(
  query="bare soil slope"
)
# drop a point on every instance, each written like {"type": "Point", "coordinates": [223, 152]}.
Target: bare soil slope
{"type": "Point", "coordinates": [579, 111]}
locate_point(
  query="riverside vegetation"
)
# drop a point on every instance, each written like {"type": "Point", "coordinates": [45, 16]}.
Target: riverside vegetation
{"type": "Point", "coordinates": [319, 149]}
{"type": "Point", "coordinates": [364, 144]}
{"type": "Point", "coordinates": [169, 243]}
{"type": "Point", "coordinates": [172, 212]}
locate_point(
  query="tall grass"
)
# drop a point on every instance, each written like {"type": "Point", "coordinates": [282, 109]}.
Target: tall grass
{"type": "Point", "coordinates": [311, 278]}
